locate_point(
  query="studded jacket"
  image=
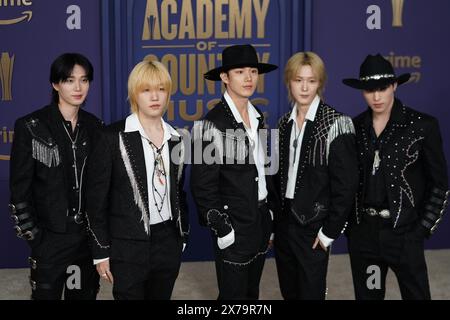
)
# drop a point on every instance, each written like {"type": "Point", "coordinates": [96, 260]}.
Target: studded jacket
{"type": "Point", "coordinates": [226, 190]}
{"type": "Point", "coordinates": [413, 163]}
{"type": "Point", "coordinates": [38, 177]}
{"type": "Point", "coordinates": [117, 201]}
{"type": "Point", "coordinates": [327, 174]}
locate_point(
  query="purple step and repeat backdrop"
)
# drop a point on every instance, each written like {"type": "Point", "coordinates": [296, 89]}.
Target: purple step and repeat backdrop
{"type": "Point", "coordinates": [188, 37]}
{"type": "Point", "coordinates": [413, 34]}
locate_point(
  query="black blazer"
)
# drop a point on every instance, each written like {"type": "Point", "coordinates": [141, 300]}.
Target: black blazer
{"type": "Point", "coordinates": [327, 175]}
{"type": "Point", "coordinates": [226, 191]}
{"type": "Point", "coordinates": [117, 200]}
{"type": "Point", "coordinates": [37, 178]}
{"type": "Point", "coordinates": [413, 163]}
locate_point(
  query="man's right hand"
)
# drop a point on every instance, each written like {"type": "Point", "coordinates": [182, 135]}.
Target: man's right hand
{"type": "Point", "coordinates": [104, 272]}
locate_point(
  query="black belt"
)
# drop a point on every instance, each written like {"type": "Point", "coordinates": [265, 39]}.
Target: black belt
{"type": "Point", "coordinates": [162, 225]}
{"type": "Point", "coordinates": [262, 203]}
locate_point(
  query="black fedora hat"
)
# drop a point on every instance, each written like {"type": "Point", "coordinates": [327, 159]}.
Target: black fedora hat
{"type": "Point", "coordinates": [239, 56]}
{"type": "Point", "coordinates": [376, 72]}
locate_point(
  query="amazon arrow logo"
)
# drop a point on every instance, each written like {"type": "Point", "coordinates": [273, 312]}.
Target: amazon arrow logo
{"type": "Point", "coordinates": [26, 15]}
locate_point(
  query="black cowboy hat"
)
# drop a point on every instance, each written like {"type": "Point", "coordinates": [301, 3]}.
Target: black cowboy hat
{"type": "Point", "coordinates": [239, 56]}
{"type": "Point", "coordinates": [376, 72]}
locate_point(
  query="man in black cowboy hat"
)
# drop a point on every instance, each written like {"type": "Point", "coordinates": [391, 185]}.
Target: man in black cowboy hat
{"type": "Point", "coordinates": [228, 182]}
{"type": "Point", "coordinates": [403, 187]}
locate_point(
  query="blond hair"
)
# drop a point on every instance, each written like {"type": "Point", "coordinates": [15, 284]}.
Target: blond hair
{"type": "Point", "coordinates": [299, 60]}
{"type": "Point", "coordinates": [148, 74]}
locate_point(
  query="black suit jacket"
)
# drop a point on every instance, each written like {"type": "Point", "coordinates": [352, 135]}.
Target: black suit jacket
{"type": "Point", "coordinates": [117, 195]}
{"type": "Point", "coordinates": [37, 172]}
{"type": "Point", "coordinates": [327, 175]}
{"type": "Point", "coordinates": [226, 191]}
{"type": "Point", "coordinates": [413, 163]}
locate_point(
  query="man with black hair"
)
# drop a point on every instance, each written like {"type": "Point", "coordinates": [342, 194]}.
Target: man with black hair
{"type": "Point", "coordinates": [230, 189]}
{"type": "Point", "coordinates": [47, 172]}
{"type": "Point", "coordinates": [403, 186]}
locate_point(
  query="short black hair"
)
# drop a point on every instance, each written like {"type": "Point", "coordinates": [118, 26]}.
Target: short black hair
{"type": "Point", "coordinates": [62, 68]}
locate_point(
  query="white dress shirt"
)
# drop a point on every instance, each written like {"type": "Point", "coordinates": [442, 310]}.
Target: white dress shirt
{"type": "Point", "coordinates": [298, 133]}
{"type": "Point", "coordinates": [133, 124]}
{"type": "Point", "coordinates": [258, 150]}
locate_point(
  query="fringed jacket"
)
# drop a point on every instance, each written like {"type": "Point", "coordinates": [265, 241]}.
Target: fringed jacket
{"type": "Point", "coordinates": [327, 175]}
{"type": "Point", "coordinates": [117, 203]}
{"type": "Point", "coordinates": [38, 176]}
{"type": "Point", "coordinates": [225, 187]}
{"type": "Point", "coordinates": [413, 164]}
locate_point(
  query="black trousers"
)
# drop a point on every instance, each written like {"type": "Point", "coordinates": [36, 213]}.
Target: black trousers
{"type": "Point", "coordinates": [238, 281]}
{"type": "Point", "coordinates": [375, 247]}
{"type": "Point", "coordinates": [302, 271]}
{"type": "Point", "coordinates": [63, 262]}
{"type": "Point", "coordinates": [154, 278]}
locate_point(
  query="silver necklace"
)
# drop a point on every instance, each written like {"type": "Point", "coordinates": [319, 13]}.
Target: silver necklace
{"type": "Point", "coordinates": [295, 144]}
{"type": "Point", "coordinates": [74, 147]}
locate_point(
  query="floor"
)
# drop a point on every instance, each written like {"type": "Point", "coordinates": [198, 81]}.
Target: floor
{"type": "Point", "coordinates": [197, 281]}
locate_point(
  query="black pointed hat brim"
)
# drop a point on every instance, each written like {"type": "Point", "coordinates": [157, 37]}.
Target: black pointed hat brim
{"type": "Point", "coordinates": [374, 84]}
{"type": "Point", "coordinates": [214, 74]}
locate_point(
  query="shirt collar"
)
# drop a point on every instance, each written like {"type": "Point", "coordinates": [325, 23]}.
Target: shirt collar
{"type": "Point", "coordinates": [58, 115]}
{"type": "Point", "coordinates": [311, 114]}
{"type": "Point", "coordinates": [251, 109]}
{"type": "Point", "coordinates": [397, 115]}
{"type": "Point", "coordinates": [133, 124]}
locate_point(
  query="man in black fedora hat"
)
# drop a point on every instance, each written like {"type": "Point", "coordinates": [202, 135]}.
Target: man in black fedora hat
{"type": "Point", "coordinates": [228, 182]}
{"type": "Point", "coordinates": [403, 186]}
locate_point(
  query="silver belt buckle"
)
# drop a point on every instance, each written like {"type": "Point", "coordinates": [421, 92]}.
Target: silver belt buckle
{"type": "Point", "coordinates": [372, 212]}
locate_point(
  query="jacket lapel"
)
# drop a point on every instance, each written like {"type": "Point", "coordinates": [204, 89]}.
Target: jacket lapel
{"type": "Point", "coordinates": [56, 125]}
{"type": "Point", "coordinates": [173, 174]}
{"type": "Point", "coordinates": [133, 147]}
{"type": "Point", "coordinates": [285, 138]}
{"type": "Point", "coordinates": [308, 139]}
{"type": "Point", "coordinates": [231, 123]}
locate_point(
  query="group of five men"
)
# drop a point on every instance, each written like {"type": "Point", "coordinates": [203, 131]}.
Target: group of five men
{"type": "Point", "coordinates": [111, 200]}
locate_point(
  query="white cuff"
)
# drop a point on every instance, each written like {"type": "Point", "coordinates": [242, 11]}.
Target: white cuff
{"type": "Point", "coordinates": [324, 239]}
{"type": "Point", "coordinates": [272, 236]}
{"type": "Point", "coordinates": [184, 246]}
{"type": "Point", "coordinates": [97, 261]}
{"type": "Point", "coordinates": [226, 241]}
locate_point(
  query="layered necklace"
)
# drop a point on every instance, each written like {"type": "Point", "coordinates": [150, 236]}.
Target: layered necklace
{"type": "Point", "coordinates": [159, 178]}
